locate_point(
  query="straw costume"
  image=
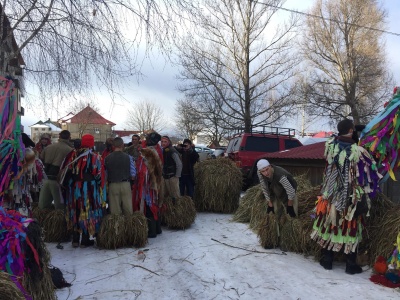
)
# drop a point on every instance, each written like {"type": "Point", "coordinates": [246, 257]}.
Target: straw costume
{"type": "Point", "coordinates": [147, 189]}
{"type": "Point", "coordinates": [350, 179]}
{"type": "Point", "coordinates": [84, 191]}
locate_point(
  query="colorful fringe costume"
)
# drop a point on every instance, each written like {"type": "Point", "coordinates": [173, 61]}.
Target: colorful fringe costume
{"type": "Point", "coordinates": [84, 193]}
{"type": "Point", "coordinates": [381, 137]}
{"type": "Point", "coordinates": [350, 179]}
{"type": "Point", "coordinates": [12, 150]}
{"type": "Point", "coordinates": [14, 244]}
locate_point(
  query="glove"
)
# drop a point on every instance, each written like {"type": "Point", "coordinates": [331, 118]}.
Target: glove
{"type": "Point", "coordinates": [290, 211]}
{"type": "Point", "coordinates": [270, 209]}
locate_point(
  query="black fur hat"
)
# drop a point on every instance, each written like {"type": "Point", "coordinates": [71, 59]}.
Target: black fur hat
{"type": "Point", "coordinates": [152, 139]}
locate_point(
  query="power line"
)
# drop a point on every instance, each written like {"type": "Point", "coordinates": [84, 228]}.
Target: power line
{"type": "Point", "coordinates": [329, 19]}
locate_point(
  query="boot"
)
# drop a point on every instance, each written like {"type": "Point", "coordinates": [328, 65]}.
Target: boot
{"type": "Point", "coordinates": [326, 259]}
{"type": "Point", "coordinates": [75, 239]}
{"type": "Point", "coordinates": [351, 265]}
{"type": "Point", "coordinates": [152, 233]}
{"type": "Point", "coordinates": [86, 242]}
{"type": "Point", "coordinates": [158, 226]}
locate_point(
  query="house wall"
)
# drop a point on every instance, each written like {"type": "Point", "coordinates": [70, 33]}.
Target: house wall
{"type": "Point", "coordinates": [100, 131]}
{"type": "Point", "coordinates": [313, 168]}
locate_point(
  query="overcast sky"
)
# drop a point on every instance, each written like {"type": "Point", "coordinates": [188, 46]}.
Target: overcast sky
{"type": "Point", "coordinates": [159, 84]}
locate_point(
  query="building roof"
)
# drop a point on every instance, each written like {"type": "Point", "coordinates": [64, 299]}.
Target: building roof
{"type": "Point", "coordinates": [122, 133]}
{"type": "Point", "coordinates": [90, 116]}
{"type": "Point", "coordinates": [312, 151]}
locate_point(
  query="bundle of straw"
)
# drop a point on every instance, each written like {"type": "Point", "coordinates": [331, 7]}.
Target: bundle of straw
{"type": "Point", "coordinates": [268, 232]}
{"type": "Point", "coordinates": [218, 185]}
{"type": "Point", "coordinates": [136, 230]}
{"type": "Point", "coordinates": [112, 232]}
{"type": "Point", "coordinates": [179, 213]}
{"type": "Point", "coordinates": [9, 290]}
{"type": "Point", "coordinates": [38, 282]}
{"type": "Point", "coordinates": [55, 226]}
{"type": "Point", "coordinates": [250, 199]}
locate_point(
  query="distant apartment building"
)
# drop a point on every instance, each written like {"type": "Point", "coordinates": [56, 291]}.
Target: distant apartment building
{"type": "Point", "coordinates": [48, 127]}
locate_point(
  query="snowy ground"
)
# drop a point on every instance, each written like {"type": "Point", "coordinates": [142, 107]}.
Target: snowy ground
{"type": "Point", "coordinates": [195, 264]}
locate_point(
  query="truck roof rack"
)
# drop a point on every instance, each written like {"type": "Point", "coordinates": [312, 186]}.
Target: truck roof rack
{"type": "Point", "coordinates": [267, 129]}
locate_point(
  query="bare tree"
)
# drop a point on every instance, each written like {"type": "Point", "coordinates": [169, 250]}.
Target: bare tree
{"type": "Point", "coordinates": [146, 115]}
{"type": "Point", "coordinates": [70, 46]}
{"type": "Point", "coordinates": [188, 122]}
{"type": "Point", "coordinates": [348, 73]}
{"type": "Point", "coordinates": [236, 54]}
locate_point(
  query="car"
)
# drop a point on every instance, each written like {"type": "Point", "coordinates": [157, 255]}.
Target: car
{"type": "Point", "coordinates": [217, 152]}
{"type": "Point", "coordinates": [245, 147]}
{"type": "Point", "coordinates": [203, 152]}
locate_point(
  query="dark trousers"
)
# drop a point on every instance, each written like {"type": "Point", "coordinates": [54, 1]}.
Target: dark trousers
{"type": "Point", "coordinates": [186, 182]}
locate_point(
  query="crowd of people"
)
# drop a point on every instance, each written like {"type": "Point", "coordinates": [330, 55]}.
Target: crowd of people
{"type": "Point", "coordinates": [122, 180]}
{"type": "Point", "coordinates": [87, 185]}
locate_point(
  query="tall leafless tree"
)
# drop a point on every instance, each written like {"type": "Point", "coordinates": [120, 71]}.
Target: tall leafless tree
{"type": "Point", "coordinates": [239, 53]}
{"type": "Point", "coordinates": [347, 74]}
{"type": "Point", "coordinates": [146, 115]}
{"type": "Point", "coordinates": [188, 122]}
{"type": "Point", "coordinates": [70, 46]}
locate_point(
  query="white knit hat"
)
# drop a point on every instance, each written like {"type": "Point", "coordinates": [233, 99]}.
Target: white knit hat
{"type": "Point", "coordinates": [262, 163]}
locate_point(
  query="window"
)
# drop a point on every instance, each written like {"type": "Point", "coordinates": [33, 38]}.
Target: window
{"type": "Point", "coordinates": [96, 130]}
{"type": "Point", "coordinates": [262, 144]}
{"type": "Point", "coordinates": [289, 144]}
{"type": "Point", "coordinates": [43, 129]}
{"type": "Point", "coordinates": [36, 129]}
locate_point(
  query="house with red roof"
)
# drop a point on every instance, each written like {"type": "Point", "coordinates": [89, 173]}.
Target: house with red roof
{"type": "Point", "coordinates": [87, 121]}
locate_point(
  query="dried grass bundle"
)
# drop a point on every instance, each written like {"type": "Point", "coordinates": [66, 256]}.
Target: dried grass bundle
{"type": "Point", "coordinates": [40, 214]}
{"type": "Point", "coordinates": [382, 229]}
{"type": "Point", "coordinates": [268, 234]}
{"type": "Point", "coordinates": [252, 196]}
{"type": "Point", "coordinates": [136, 230]}
{"type": "Point", "coordinates": [307, 198]}
{"type": "Point", "coordinates": [218, 185]}
{"type": "Point", "coordinates": [112, 232]}
{"type": "Point", "coordinates": [8, 289]}
{"type": "Point", "coordinates": [54, 226]}
{"type": "Point", "coordinates": [295, 235]}
{"type": "Point", "coordinates": [179, 214]}
{"type": "Point", "coordinates": [38, 282]}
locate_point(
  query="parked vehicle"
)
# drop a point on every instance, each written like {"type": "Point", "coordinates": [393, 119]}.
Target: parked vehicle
{"type": "Point", "coordinates": [245, 148]}
{"type": "Point", "coordinates": [217, 152]}
{"type": "Point", "coordinates": [203, 152]}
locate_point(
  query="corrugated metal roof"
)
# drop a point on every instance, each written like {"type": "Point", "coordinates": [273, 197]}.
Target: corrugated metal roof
{"type": "Point", "coordinates": [313, 151]}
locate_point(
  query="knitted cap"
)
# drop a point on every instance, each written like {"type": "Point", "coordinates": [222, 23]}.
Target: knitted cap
{"type": "Point", "coordinates": [87, 141]}
{"type": "Point", "coordinates": [262, 163]}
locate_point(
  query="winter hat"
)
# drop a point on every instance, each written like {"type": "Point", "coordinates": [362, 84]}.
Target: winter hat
{"type": "Point", "coordinates": [187, 141]}
{"type": "Point", "coordinates": [87, 141]}
{"type": "Point", "coordinates": [262, 163]}
{"type": "Point", "coordinates": [152, 139]}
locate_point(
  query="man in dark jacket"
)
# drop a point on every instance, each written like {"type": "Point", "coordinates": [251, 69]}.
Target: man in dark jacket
{"type": "Point", "coordinates": [52, 157]}
{"type": "Point", "coordinates": [121, 171]}
{"type": "Point", "coordinates": [172, 168]}
{"type": "Point", "coordinates": [189, 158]}
{"type": "Point", "coordinates": [278, 186]}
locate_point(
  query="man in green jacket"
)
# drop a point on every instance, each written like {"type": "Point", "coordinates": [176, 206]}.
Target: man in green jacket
{"type": "Point", "coordinates": [52, 157]}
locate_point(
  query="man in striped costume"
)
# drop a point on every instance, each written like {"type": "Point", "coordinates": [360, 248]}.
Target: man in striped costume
{"type": "Point", "coordinates": [279, 187]}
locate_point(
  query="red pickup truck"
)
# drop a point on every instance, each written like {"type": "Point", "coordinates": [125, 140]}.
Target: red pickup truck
{"type": "Point", "coordinates": [244, 148]}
